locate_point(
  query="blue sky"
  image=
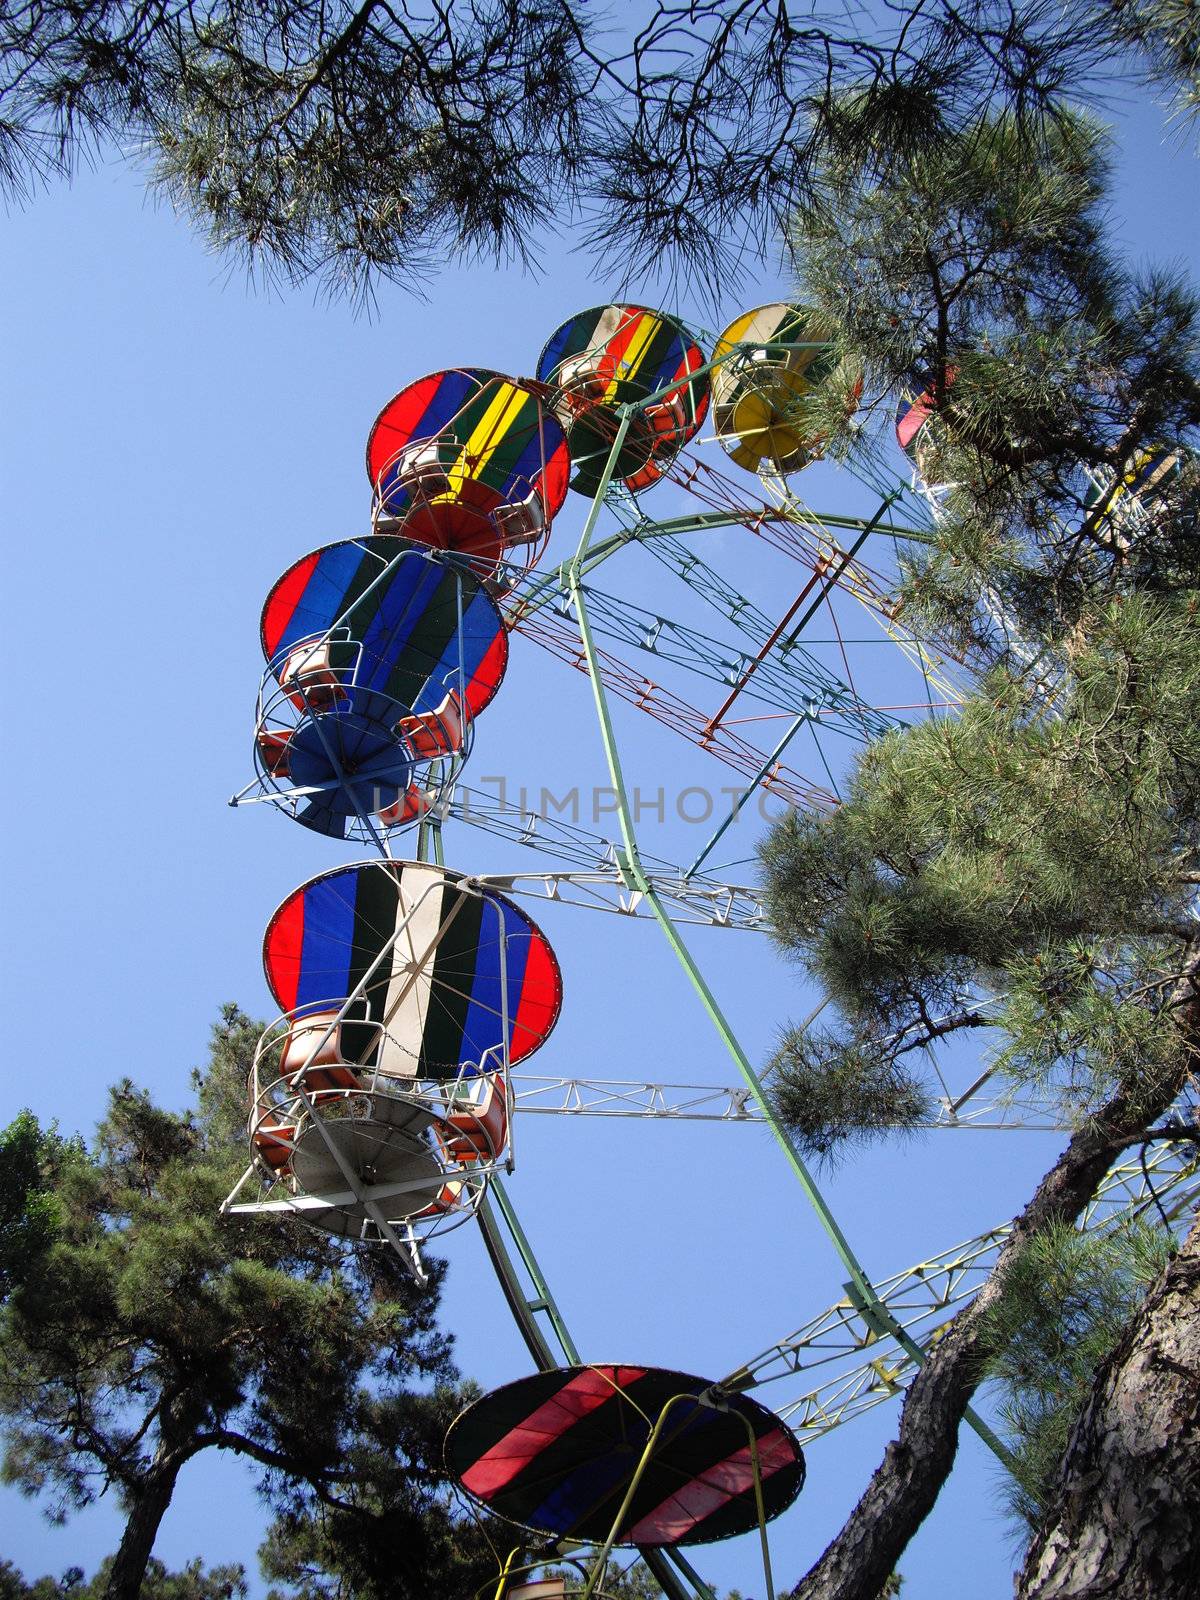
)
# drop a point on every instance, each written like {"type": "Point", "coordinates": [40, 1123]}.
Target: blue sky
{"type": "Point", "coordinates": [174, 439]}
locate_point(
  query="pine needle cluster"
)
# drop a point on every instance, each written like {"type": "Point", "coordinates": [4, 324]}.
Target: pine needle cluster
{"type": "Point", "coordinates": [143, 1327]}
{"type": "Point", "coordinates": [976, 269]}
{"type": "Point", "coordinates": [1070, 1298]}
{"type": "Point", "coordinates": [1026, 871]}
{"type": "Point", "coordinates": [351, 141]}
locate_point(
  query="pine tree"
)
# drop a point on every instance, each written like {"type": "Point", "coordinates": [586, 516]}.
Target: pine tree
{"type": "Point", "coordinates": [1025, 873]}
{"type": "Point", "coordinates": [30, 1158]}
{"type": "Point", "coordinates": [1167, 32]}
{"type": "Point", "coordinates": [194, 1582]}
{"type": "Point", "coordinates": [350, 141]}
{"type": "Point", "coordinates": [146, 1328]}
{"type": "Point", "coordinates": [1121, 1514]}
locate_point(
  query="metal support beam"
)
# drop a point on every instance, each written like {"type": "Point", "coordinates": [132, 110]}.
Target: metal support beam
{"type": "Point", "coordinates": [630, 863]}
{"type": "Point", "coordinates": [735, 811]}
{"type": "Point", "coordinates": [674, 1575]}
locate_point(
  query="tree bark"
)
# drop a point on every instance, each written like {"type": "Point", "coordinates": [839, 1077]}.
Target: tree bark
{"type": "Point", "coordinates": [1125, 1518]}
{"type": "Point", "coordinates": [907, 1482]}
{"type": "Point", "coordinates": [148, 1506]}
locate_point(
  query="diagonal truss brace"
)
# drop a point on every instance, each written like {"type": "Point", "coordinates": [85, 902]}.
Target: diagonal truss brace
{"type": "Point", "coordinates": [867, 1364]}
{"type": "Point", "coordinates": [542, 1094]}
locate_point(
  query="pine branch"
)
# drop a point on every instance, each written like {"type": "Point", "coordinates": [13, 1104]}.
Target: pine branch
{"type": "Point", "coordinates": [319, 1481]}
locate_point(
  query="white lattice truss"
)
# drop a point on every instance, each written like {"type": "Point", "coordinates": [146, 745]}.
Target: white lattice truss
{"type": "Point", "coordinates": [860, 1365]}
{"type": "Point", "coordinates": [985, 1103]}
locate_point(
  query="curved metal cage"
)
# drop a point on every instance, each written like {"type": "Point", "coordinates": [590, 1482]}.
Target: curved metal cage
{"type": "Point", "coordinates": [771, 365]}
{"type": "Point", "coordinates": [630, 372]}
{"type": "Point", "coordinates": [351, 762]}
{"type": "Point", "coordinates": [416, 498]}
{"type": "Point", "coordinates": [343, 1131]}
{"type": "Point", "coordinates": [471, 462]}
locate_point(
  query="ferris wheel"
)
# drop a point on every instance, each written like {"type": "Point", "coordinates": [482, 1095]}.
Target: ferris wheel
{"type": "Point", "coordinates": [386, 1098]}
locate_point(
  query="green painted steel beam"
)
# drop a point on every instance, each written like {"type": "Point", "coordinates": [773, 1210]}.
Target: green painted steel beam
{"type": "Point", "coordinates": [673, 1574]}
{"type": "Point", "coordinates": [541, 588]}
{"type": "Point", "coordinates": [636, 878]}
{"type": "Point", "coordinates": [510, 1284]}
{"type": "Point", "coordinates": [545, 1301]}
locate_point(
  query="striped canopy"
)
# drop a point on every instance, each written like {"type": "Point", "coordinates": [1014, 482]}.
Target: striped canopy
{"type": "Point", "coordinates": [759, 392]}
{"type": "Point", "coordinates": [630, 353]}
{"type": "Point", "coordinates": [914, 411]}
{"type": "Point", "coordinates": [466, 973]}
{"type": "Point", "coordinates": [1149, 475]}
{"type": "Point", "coordinates": [490, 438]}
{"type": "Point", "coordinates": [556, 1453]}
{"type": "Point", "coordinates": [404, 625]}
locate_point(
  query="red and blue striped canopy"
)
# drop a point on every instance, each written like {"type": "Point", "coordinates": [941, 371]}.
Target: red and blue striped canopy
{"type": "Point", "coordinates": [556, 1453]}
{"type": "Point", "coordinates": [405, 625]}
{"type": "Point", "coordinates": [466, 973]}
{"type": "Point", "coordinates": [912, 413]}
{"type": "Point", "coordinates": [497, 444]}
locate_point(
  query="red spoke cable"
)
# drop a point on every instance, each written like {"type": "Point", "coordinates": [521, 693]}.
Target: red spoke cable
{"type": "Point", "coordinates": [674, 712]}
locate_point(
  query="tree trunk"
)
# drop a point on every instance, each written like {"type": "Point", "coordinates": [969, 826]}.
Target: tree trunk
{"type": "Point", "coordinates": [1125, 1518]}
{"type": "Point", "coordinates": [916, 1464]}
{"type": "Point", "coordinates": [147, 1509]}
